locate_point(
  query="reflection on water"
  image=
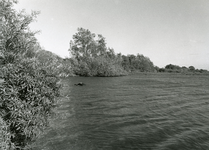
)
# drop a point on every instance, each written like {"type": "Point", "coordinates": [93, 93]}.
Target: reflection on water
{"type": "Point", "coordinates": [145, 112]}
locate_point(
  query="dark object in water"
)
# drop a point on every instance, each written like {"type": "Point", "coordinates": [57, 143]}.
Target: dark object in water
{"type": "Point", "coordinates": [79, 84]}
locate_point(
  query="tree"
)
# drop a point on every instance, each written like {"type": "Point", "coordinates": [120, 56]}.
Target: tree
{"type": "Point", "coordinates": [139, 63]}
{"type": "Point", "coordinates": [92, 57]}
{"type": "Point", "coordinates": [16, 38]}
{"type": "Point", "coordinates": [125, 63]}
{"type": "Point", "coordinates": [101, 46]}
{"type": "Point", "coordinates": [173, 68]}
{"type": "Point", "coordinates": [170, 66]}
{"type": "Point", "coordinates": [83, 44]}
{"type": "Point", "coordinates": [191, 68]}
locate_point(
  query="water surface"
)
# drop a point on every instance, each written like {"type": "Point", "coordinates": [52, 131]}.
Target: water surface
{"type": "Point", "coordinates": [139, 112]}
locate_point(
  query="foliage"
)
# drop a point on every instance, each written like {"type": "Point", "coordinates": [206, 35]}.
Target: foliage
{"type": "Point", "coordinates": [85, 45]}
{"type": "Point", "coordinates": [172, 68]}
{"type": "Point", "coordinates": [55, 64]}
{"type": "Point", "coordinates": [27, 95]}
{"type": "Point", "coordinates": [16, 38]}
{"type": "Point", "coordinates": [91, 57]}
{"type": "Point", "coordinates": [137, 63]}
{"type": "Point", "coordinates": [191, 68]}
{"type": "Point", "coordinates": [65, 68]}
{"type": "Point", "coordinates": [5, 136]}
{"type": "Point", "coordinates": [27, 100]}
{"type": "Point", "coordinates": [177, 69]}
{"type": "Point", "coordinates": [99, 66]}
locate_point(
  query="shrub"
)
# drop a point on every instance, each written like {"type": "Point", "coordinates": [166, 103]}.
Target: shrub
{"type": "Point", "coordinates": [27, 100]}
{"type": "Point", "coordinates": [5, 136]}
{"type": "Point", "coordinates": [27, 95]}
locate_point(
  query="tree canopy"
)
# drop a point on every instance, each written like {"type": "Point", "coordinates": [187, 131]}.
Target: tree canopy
{"type": "Point", "coordinates": [91, 57]}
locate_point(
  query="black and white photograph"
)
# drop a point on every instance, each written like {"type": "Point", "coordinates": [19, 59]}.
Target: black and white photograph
{"type": "Point", "coordinates": [104, 75]}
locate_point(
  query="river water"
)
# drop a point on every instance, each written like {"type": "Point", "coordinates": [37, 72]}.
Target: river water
{"type": "Point", "coordinates": [135, 112]}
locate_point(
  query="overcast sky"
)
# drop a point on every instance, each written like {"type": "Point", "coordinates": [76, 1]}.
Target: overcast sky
{"type": "Point", "coordinates": [166, 31]}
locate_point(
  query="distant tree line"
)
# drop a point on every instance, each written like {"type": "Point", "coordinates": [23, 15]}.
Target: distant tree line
{"type": "Point", "coordinates": [177, 69]}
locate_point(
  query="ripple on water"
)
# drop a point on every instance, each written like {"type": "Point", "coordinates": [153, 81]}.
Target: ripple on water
{"type": "Point", "coordinates": [152, 112]}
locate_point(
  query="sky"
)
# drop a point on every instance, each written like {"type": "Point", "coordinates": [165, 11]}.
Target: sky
{"type": "Point", "coordinates": [167, 31]}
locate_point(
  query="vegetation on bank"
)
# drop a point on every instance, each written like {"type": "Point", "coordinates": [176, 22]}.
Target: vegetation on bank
{"type": "Point", "coordinates": [91, 57]}
{"type": "Point", "coordinates": [177, 69]}
{"type": "Point", "coordinates": [29, 87]}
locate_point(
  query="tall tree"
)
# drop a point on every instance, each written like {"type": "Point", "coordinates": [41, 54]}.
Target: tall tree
{"type": "Point", "coordinates": [16, 38]}
{"type": "Point", "coordinates": [91, 57]}
{"type": "Point", "coordinates": [83, 44]}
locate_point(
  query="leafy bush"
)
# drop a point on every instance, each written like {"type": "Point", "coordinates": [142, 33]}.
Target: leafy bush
{"type": "Point", "coordinates": [57, 65]}
{"type": "Point", "coordinates": [29, 88]}
{"type": "Point", "coordinates": [100, 66]}
{"type": "Point", "coordinates": [108, 67]}
{"type": "Point", "coordinates": [27, 100]}
{"type": "Point", "coordinates": [5, 136]}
